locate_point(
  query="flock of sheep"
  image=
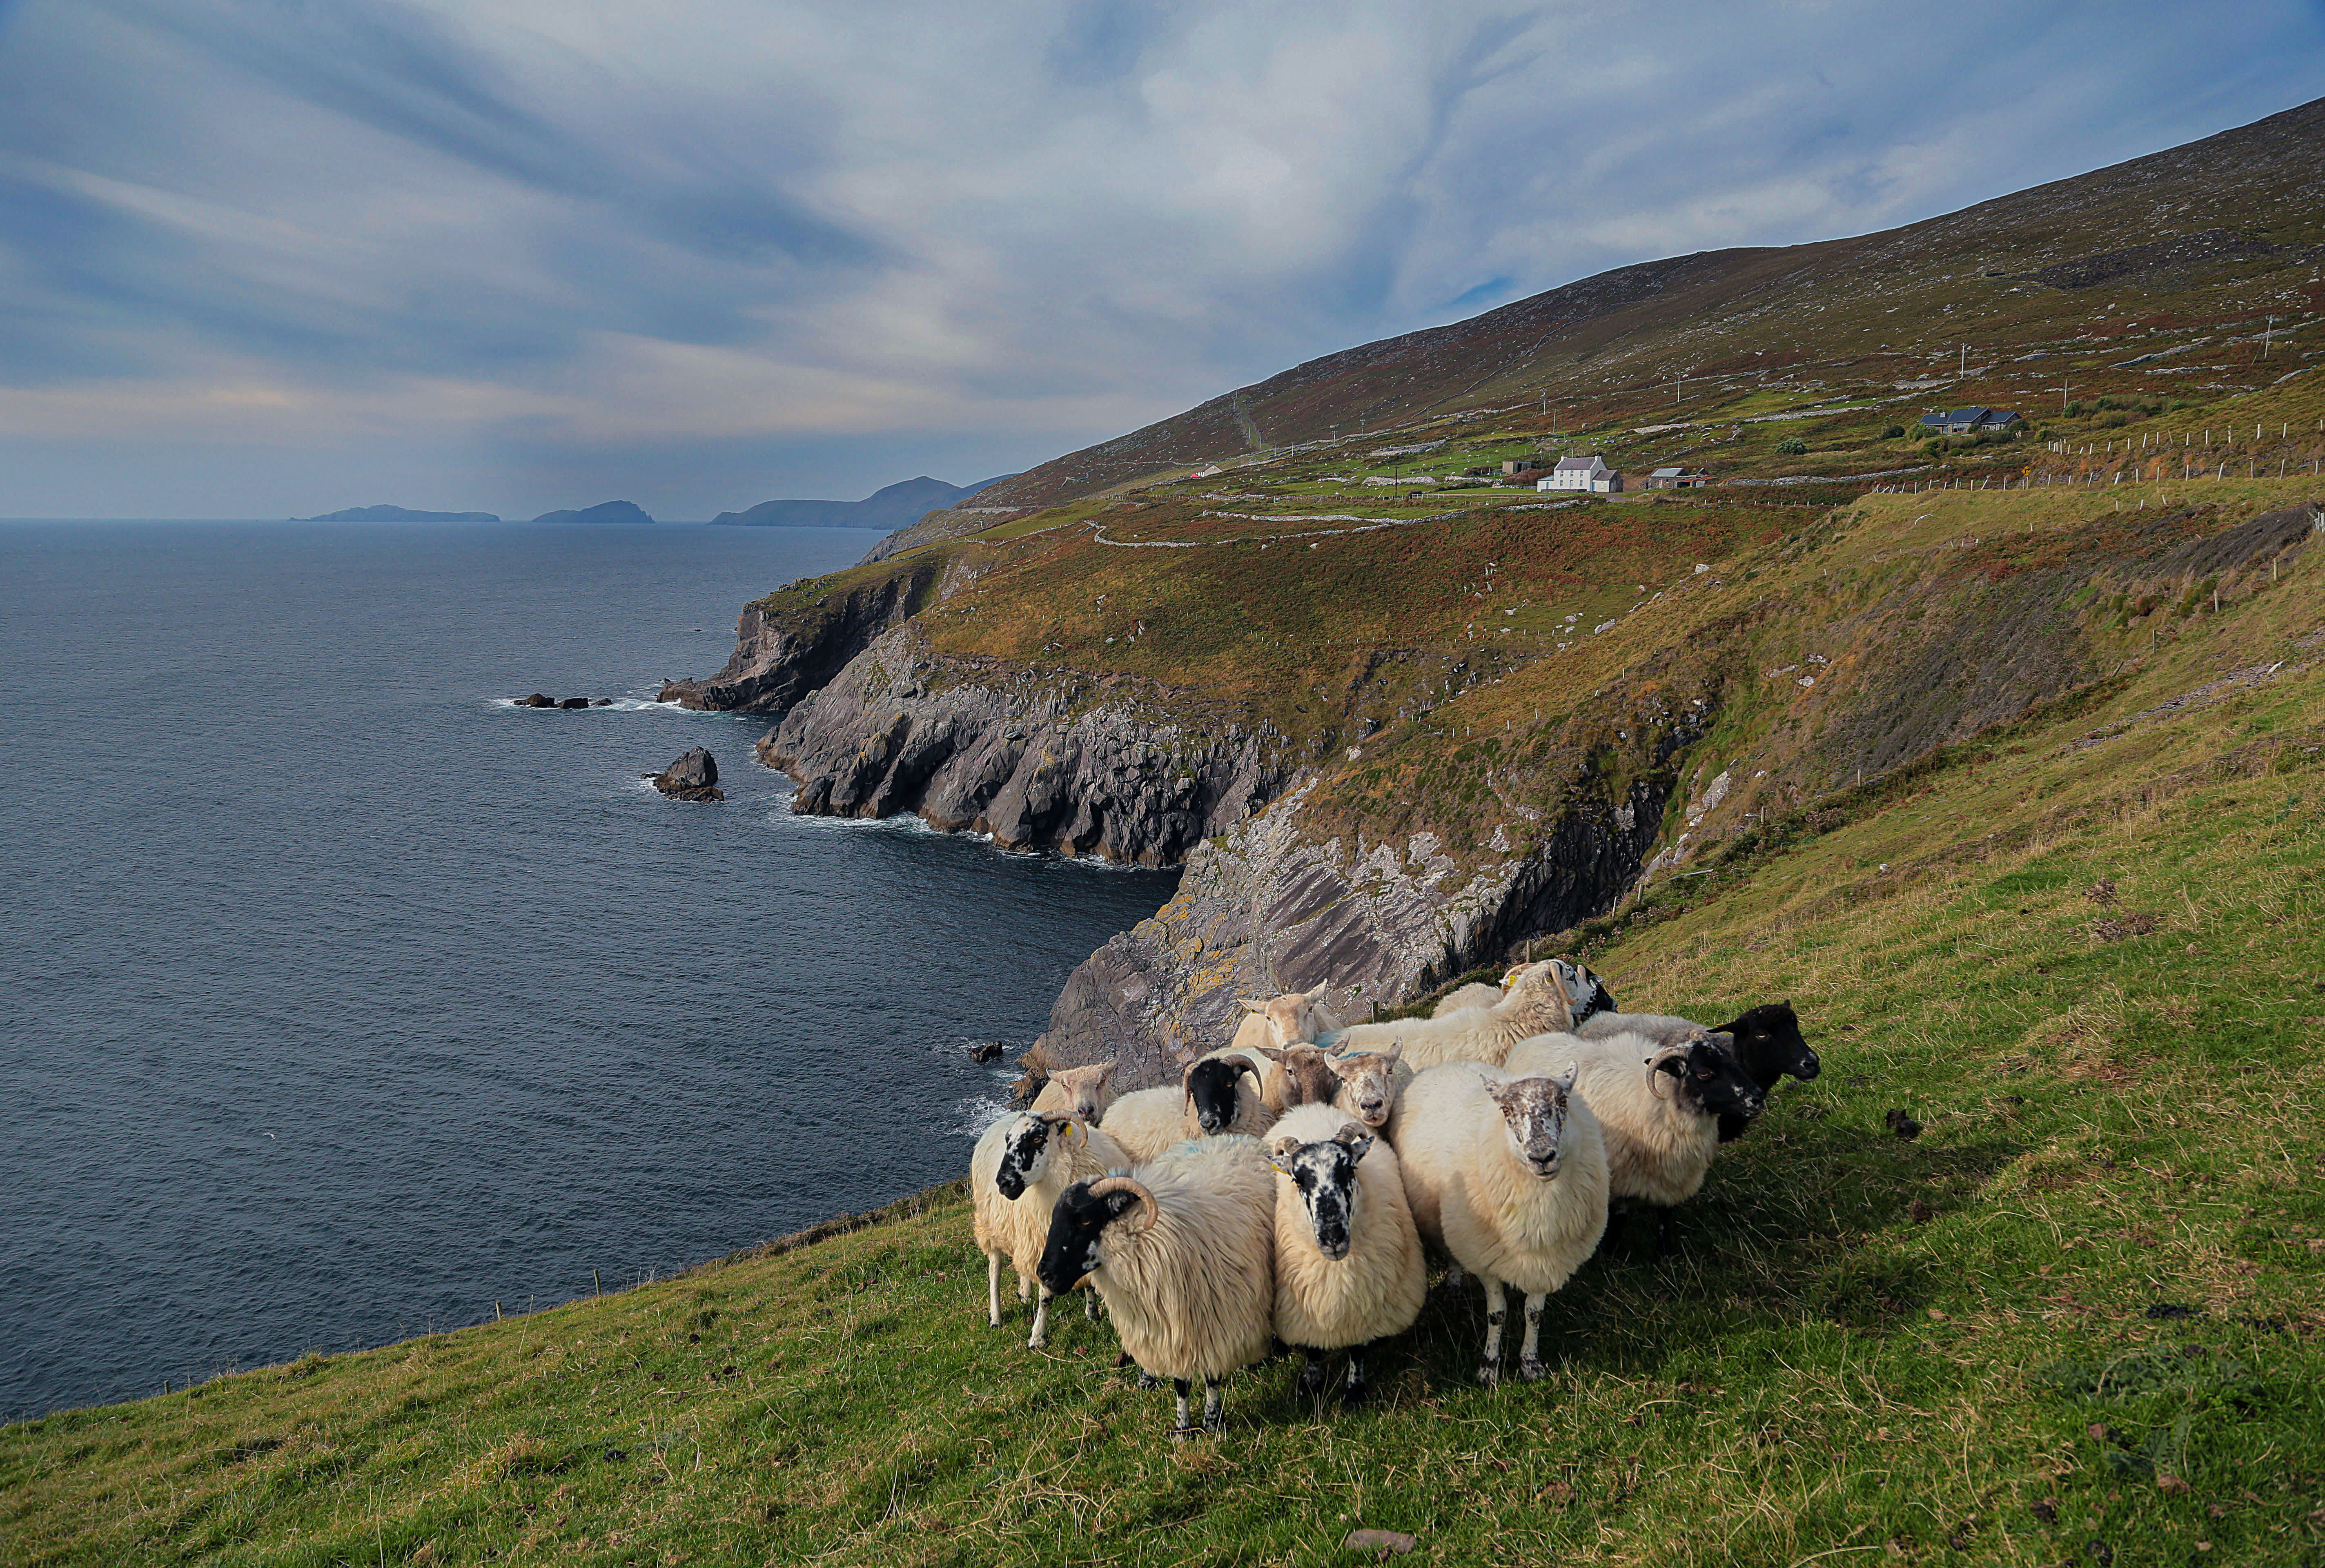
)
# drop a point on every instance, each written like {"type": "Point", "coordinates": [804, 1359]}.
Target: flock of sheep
{"type": "Point", "coordinates": [1286, 1187]}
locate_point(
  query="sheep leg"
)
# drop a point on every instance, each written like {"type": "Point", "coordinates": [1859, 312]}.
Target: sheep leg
{"type": "Point", "coordinates": [1312, 1373]}
{"type": "Point", "coordinates": [1489, 1371]}
{"type": "Point", "coordinates": [1180, 1433]}
{"type": "Point", "coordinates": [1147, 1380]}
{"type": "Point", "coordinates": [1663, 1247]}
{"type": "Point", "coordinates": [1025, 1289]}
{"type": "Point", "coordinates": [1215, 1405]}
{"type": "Point", "coordinates": [1089, 1305]}
{"type": "Point", "coordinates": [992, 1289]}
{"type": "Point", "coordinates": [1040, 1338]}
{"type": "Point", "coordinates": [1355, 1392]}
{"type": "Point", "coordinates": [1530, 1352]}
{"type": "Point", "coordinates": [1614, 1236]}
{"type": "Point", "coordinates": [1453, 1276]}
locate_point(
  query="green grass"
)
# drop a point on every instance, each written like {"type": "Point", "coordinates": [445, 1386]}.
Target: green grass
{"type": "Point", "coordinates": [2083, 1306]}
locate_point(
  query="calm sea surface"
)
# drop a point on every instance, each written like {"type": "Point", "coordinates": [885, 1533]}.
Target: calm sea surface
{"type": "Point", "coordinates": [339, 1000]}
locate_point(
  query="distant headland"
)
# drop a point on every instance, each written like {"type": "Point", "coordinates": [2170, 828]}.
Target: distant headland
{"type": "Point", "coordinates": [399, 515]}
{"type": "Point", "coordinates": [891, 506]}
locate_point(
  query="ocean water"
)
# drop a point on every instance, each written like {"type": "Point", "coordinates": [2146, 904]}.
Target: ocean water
{"type": "Point", "coordinates": [340, 1000]}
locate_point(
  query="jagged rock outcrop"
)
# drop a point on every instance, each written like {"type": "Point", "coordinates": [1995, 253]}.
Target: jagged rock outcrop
{"type": "Point", "coordinates": [1066, 762]}
{"type": "Point", "coordinates": [778, 660]}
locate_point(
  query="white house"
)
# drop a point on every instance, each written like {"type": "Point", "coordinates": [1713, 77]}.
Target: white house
{"type": "Point", "coordinates": [1589, 474]}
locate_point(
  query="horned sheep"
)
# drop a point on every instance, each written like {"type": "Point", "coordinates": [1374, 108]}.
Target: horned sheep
{"type": "Point", "coordinates": [1658, 1103]}
{"type": "Point", "coordinates": [1018, 1168]}
{"type": "Point", "coordinates": [1213, 1095]}
{"type": "Point", "coordinates": [1509, 1175]}
{"type": "Point", "coordinates": [1182, 1251]}
{"type": "Point", "coordinates": [1768, 1045]}
{"type": "Point", "coordinates": [1349, 1266]}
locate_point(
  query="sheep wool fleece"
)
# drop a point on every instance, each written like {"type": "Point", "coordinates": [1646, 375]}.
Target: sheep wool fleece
{"type": "Point", "coordinates": [1193, 1295]}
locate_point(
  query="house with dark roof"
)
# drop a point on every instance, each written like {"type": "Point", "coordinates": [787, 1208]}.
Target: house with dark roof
{"type": "Point", "coordinates": [1677, 480]}
{"type": "Point", "coordinates": [1969, 421]}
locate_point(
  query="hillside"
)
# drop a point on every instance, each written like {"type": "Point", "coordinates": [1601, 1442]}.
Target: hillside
{"type": "Point", "coordinates": [2077, 1318]}
{"type": "Point", "coordinates": [604, 511]}
{"type": "Point", "coordinates": [2191, 248]}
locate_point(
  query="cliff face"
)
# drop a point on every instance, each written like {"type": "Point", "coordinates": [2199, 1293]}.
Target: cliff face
{"type": "Point", "coordinates": [782, 655]}
{"type": "Point", "coordinates": [1060, 761]}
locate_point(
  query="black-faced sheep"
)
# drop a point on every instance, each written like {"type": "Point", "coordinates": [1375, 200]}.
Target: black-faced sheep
{"type": "Point", "coordinates": [1183, 1249]}
{"type": "Point", "coordinates": [1509, 1175]}
{"type": "Point", "coordinates": [1018, 1168]}
{"type": "Point", "coordinates": [1769, 1047]}
{"type": "Point", "coordinates": [1214, 1095]}
{"type": "Point", "coordinates": [1587, 992]}
{"type": "Point", "coordinates": [1658, 1103]}
{"type": "Point", "coordinates": [1349, 1267]}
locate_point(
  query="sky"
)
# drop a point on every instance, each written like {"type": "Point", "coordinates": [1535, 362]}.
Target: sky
{"type": "Point", "coordinates": [273, 257]}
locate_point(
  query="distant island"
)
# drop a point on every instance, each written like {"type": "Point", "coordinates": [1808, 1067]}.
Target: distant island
{"type": "Point", "coordinates": [603, 512]}
{"type": "Point", "coordinates": [893, 506]}
{"type": "Point", "coordinates": [398, 515]}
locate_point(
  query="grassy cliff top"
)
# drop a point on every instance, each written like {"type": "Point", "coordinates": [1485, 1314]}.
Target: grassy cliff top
{"type": "Point", "coordinates": [2084, 1306]}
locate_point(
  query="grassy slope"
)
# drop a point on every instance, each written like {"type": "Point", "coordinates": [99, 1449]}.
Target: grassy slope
{"type": "Point", "coordinates": [1868, 1343]}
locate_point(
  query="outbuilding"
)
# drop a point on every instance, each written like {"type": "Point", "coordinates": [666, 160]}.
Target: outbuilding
{"type": "Point", "coordinates": [1677, 480]}
{"type": "Point", "coordinates": [1969, 421]}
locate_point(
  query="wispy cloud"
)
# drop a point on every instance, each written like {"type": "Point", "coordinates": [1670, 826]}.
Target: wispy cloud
{"type": "Point", "coordinates": [708, 253]}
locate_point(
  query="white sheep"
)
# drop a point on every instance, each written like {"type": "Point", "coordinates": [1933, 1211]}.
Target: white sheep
{"type": "Point", "coordinates": [1018, 1168]}
{"type": "Point", "coordinates": [1476, 993]}
{"type": "Point", "coordinates": [1370, 1081]}
{"type": "Point", "coordinates": [1658, 1101]}
{"type": "Point", "coordinates": [1183, 1249]}
{"type": "Point", "coordinates": [1586, 991]}
{"type": "Point", "coordinates": [1538, 1002]}
{"type": "Point", "coordinates": [1349, 1267]}
{"type": "Point", "coordinates": [1509, 1175]}
{"type": "Point", "coordinates": [1082, 1092]}
{"type": "Point", "coordinates": [1214, 1095]}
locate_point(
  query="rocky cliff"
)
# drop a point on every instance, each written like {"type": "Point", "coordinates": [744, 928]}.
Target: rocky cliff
{"type": "Point", "coordinates": [792, 643]}
{"type": "Point", "coordinates": [1081, 765]}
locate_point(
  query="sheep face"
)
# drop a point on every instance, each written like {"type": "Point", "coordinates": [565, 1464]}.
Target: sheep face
{"type": "Point", "coordinates": [1085, 1090]}
{"type": "Point", "coordinates": [1324, 1175]}
{"type": "Point", "coordinates": [1025, 1156]}
{"type": "Point", "coordinates": [1075, 1245]}
{"type": "Point", "coordinates": [1309, 1077]}
{"type": "Point", "coordinates": [1707, 1078]}
{"type": "Point", "coordinates": [1369, 1082]}
{"type": "Point", "coordinates": [1288, 1016]}
{"type": "Point", "coordinates": [1595, 997]}
{"type": "Point", "coordinates": [1533, 1120]}
{"type": "Point", "coordinates": [1769, 1037]}
{"type": "Point", "coordinates": [1211, 1088]}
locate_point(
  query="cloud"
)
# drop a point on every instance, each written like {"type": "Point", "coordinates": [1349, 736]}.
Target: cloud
{"type": "Point", "coordinates": [507, 242]}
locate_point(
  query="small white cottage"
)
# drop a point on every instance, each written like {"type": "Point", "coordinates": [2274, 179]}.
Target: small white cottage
{"type": "Point", "coordinates": [1591, 475]}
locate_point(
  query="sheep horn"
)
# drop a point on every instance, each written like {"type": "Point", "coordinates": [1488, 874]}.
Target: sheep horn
{"type": "Point", "coordinates": [1138, 1218]}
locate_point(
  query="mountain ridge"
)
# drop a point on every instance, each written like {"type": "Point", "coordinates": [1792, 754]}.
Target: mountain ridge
{"type": "Point", "coordinates": [889, 506]}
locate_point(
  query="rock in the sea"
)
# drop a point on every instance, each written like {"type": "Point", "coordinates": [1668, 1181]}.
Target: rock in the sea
{"type": "Point", "coordinates": [692, 778]}
{"type": "Point", "coordinates": [575, 702]}
{"type": "Point", "coordinates": [536, 701]}
{"type": "Point", "coordinates": [603, 702]}
{"type": "Point", "coordinates": [983, 1050]}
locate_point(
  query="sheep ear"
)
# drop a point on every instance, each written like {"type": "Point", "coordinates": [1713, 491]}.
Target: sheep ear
{"type": "Point", "coordinates": [1270, 1051]}
{"type": "Point", "coordinates": [1395, 1052]}
{"type": "Point", "coordinates": [1105, 1067]}
{"type": "Point", "coordinates": [1251, 1004]}
{"type": "Point", "coordinates": [1357, 1136]}
{"type": "Point", "coordinates": [1673, 1064]}
{"type": "Point", "coordinates": [1315, 993]}
{"type": "Point", "coordinates": [1281, 1149]}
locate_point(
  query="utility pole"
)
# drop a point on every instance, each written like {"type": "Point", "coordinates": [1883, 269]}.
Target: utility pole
{"type": "Point", "coordinates": [2268, 333]}
{"type": "Point", "coordinates": [1963, 374]}
{"type": "Point", "coordinates": [2063, 398]}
